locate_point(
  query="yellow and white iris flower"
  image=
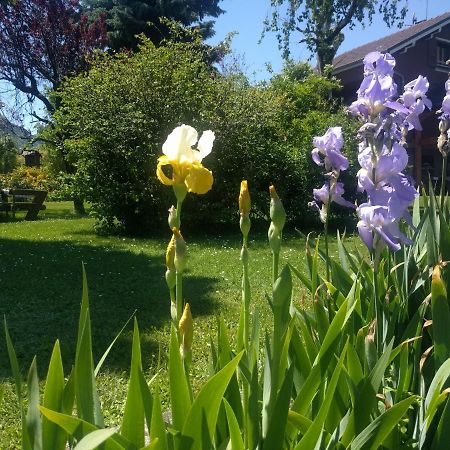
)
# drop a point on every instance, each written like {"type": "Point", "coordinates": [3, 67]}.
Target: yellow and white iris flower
{"type": "Point", "coordinates": [186, 161]}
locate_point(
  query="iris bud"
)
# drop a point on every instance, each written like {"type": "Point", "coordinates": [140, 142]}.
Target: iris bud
{"type": "Point", "coordinates": [173, 219]}
{"type": "Point", "coordinates": [186, 328]}
{"type": "Point", "coordinates": [277, 212]}
{"type": "Point", "coordinates": [180, 251]}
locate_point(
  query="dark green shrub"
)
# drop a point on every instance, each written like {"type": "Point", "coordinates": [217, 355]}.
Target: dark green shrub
{"type": "Point", "coordinates": [8, 154]}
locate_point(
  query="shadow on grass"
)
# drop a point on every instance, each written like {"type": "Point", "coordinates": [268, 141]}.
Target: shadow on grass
{"type": "Point", "coordinates": [40, 293]}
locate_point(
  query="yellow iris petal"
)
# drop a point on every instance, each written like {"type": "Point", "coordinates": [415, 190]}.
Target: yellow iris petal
{"type": "Point", "coordinates": [199, 179]}
{"type": "Point", "coordinates": [163, 161]}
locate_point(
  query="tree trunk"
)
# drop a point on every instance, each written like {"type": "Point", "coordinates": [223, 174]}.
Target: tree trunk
{"type": "Point", "coordinates": [78, 206]}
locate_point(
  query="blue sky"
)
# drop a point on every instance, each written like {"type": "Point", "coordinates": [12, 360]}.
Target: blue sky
{"type": "Point", "coordinates": [246, 18]}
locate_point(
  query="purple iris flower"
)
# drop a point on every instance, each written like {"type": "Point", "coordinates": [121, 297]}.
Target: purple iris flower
{"type": "Point", "coordinates": [329, 147]}
{"type": "Point", "coordinates": [325, 195]}
{"type": "Point", "coordinates": [381, 156]}
{"type": "Point", "coordinates": [375, 221]}
{"type": "Point", "coordinates": [445, 108]}
{"type": "Point", "coordinates": [377, 86]}
{"type": "Point", "coordinates": [380, 64]}
{"type": "Point", "coordinates": [413, 102]}
{"type": "Point", "coordinates": [377, 170]}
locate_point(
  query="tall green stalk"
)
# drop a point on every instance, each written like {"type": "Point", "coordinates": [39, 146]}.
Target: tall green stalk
{"type": "Point", "coordinates": [245, 224]}
{"type": "Point", "coordinates": [325, 229]}
{"type": "Point", "coordinates": [443, 181]}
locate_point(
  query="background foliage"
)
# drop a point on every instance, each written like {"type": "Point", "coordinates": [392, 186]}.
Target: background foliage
{"type": "Point", "coordinates": [113, 121]}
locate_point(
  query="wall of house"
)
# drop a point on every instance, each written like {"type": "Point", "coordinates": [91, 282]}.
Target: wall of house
{"type": "Point", "coordinates": [419, 59]}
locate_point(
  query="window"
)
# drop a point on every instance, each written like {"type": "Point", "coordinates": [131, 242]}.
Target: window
{"type": "Point", "coordinates": [443, 53]}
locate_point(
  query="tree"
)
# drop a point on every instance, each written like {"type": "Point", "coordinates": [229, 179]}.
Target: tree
{"type": "Point", "coordinates": [8, 154]}
{"type": "Point", "coordinates": [128, 18]}
{"type": "Point", "coordinates": [43, 41]}
{"type": "Point", "coordinates": [322, 22]}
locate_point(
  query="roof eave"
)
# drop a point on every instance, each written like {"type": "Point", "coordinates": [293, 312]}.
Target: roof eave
{"type": "Point", "coordinates": [396, 48]}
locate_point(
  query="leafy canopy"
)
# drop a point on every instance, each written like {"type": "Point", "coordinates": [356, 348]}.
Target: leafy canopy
{"type": "Point", "coordinates": [321, 23]}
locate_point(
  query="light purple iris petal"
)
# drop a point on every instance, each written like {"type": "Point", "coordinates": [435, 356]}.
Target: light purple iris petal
{"type": "Point", "coordinates": [366, 234]}
{"type": "Point", "coordinates": [399, 157]}
{"type": "Point", "coordinates": [397, 107]}
{"type": "Point", "coordinates": [446, 104]}
{"type": "Point", "coordinates": [389, 239]}
{"type": "Point", "coordinates": [365, 158]}
{"type": "Point", "coordinates": [316, 157]}
{"type": "Point", "coordinates": [322, 194]}
{"type": "Point", "coordinates": [337, 160]}
{"type": "Point", "coordinates": [365, 182]}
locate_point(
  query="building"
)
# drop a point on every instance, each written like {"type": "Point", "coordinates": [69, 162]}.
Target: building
{"type": "Point", "coordinates": [421, 49]}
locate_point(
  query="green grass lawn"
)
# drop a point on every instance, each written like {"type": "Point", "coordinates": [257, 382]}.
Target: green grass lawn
{"type": "Point", "coordinates": [40, 292]}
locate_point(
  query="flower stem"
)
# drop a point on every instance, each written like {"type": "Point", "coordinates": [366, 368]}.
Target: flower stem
{"type": "Point", "coordinates": [443, 182]}
{"type": "Point", "coordinates": [325, 226]}
{"type": "Point", "coordinates": [179, 204]}
{"type": "Point", "coordinates": [275, 264]}
{"type": "Point", "coordinates": [179, 295]}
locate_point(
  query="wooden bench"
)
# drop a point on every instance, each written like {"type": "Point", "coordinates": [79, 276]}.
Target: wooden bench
{"type": "Point", "coordinates": [30, 200]}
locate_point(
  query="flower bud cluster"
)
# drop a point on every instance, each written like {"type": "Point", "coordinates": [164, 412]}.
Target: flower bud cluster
{"type": "Point", "coordinates": [327, 153]}
{"type": "Point", "coordinates": [382, 155]}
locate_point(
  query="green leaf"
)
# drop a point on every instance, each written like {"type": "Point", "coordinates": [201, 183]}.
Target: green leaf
{"type": "Point", "coordinates": [69, 394]}
{"type": "Point", "coordinates": [157, 427]}
{"type": "Point", "coordinates": [303, 278]}
{"type": "Point", "coordinates": [88, 402]}
{"type": "Point", "coordinates": [133, 422]}
{"type": "Point", "coordinates": [147, 398]}
{"type": "Point", "coordinates": [26, 445]}
{"type": "Point", "coordinates": [95, 438]}
{"type": "Point", "coordinates": [366, 400]}
{"type": "Point", "coordinates": [434, 397]}
{"type": "Point", "coordinates": [233, 426]}
{"type": "Point", "coordinates": [205, 409]}
{"type": "Point", "coordinates": [104, 356]}
{"type": "Point", "coordinates": [299, 421]}
{"type": "Point", "coordinates": [34, 423]}
{"type": "Point", "coordinates": [254, 409]}
{"type": "Point", "coordinates": [313, 435]}
{"type": "Point", "coordinates": [154, 445]}
{"type": "Point", "coordinates": [79, 428]}
{"type": "Point", "coordinates": [441, 319]}
{"type": "Point", "coordinates": [372, 437]}
{"type": "Point", "coordinates": [232, 393]}
{"type": "Point", "coordinates": [343, 258]}
{"type": "Point", "coordinates": [180, 396]}
{"type": "Point", "coordinates": [276, 432]}
{"type": "Point", "coordinates": [52, 436]}
{"type": "Point", "coordinates": [323, 358]}
{"type": "Point", "coordinates": [441, 439]}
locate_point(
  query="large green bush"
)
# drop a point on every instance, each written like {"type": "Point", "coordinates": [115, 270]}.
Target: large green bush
{"type": "Point", "coordinates": [309, 109]}
{"type": "Point", "coordinates": [114, 120]}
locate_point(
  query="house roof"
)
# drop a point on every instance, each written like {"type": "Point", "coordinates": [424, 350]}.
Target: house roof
{"type": "Point", "coordinates": [392, 43]}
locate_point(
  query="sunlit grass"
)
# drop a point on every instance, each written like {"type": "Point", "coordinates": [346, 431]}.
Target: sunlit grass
{"type": "Point", "coordinates": [40, 291]}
